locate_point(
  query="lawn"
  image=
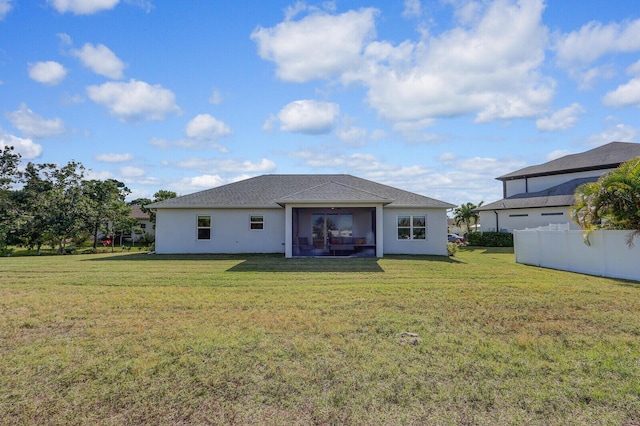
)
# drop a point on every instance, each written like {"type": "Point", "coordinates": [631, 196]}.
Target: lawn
{"type": "Point", "coordinates": [476, 339]}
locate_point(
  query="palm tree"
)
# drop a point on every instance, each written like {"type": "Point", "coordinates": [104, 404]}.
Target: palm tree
{"type": "Point", "coordinates": [465, 214]}
{"type": "Point", "coordinates": [613, 202]}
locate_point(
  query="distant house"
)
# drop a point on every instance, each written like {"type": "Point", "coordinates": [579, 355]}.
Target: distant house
{"type": "Point", "coordinates": [302, 215]}
{"type": "Point", "coordinates": [143, 222]}
{"type": "Point", "coordinates": [542, 194]}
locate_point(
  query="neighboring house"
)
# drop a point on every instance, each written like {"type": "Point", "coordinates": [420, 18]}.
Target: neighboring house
{"type": "Point", "coordinates": [144, 223]}
{"type": "Point", "coordinates": [541, 195]}
{"type": "Point", "coordinates": [302, 215]}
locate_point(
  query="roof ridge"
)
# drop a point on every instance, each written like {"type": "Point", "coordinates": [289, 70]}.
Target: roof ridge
{"type": "Point", "coordinates": [336, 183]}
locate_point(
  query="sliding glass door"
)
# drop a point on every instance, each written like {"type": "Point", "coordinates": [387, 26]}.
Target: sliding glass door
{"type": "Point", "coordinates": [327, 225]}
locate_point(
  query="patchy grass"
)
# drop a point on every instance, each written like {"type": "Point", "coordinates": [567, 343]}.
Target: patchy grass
{"type": "Point", "coordinates": [475, 339]}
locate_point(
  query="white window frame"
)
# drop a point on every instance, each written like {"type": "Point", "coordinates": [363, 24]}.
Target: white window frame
{"type": "Point", "coordinates": [198, 227]}
{"type": "Point", "coordinates": [411, 227]}
{"type": "Point", "coordinates": [256, 222]}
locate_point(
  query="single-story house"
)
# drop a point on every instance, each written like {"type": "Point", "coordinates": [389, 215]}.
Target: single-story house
{"type": "Point", "coordinates": [302, 215]}
{"type": "Point", "coordinates": [541, 195]}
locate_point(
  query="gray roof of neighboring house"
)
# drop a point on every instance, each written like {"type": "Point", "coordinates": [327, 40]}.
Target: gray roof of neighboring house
{"type": "Point", "coordinates": [606, 156]}
{"type": "Point", "coordinates": [271, 191]}
{"type": "Point", "coordinates": [137, 213]}
{"type": "Point", "coordinates": [556, 196]}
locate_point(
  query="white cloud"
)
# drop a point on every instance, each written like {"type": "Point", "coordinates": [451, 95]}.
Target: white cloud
{"type": "Point", "coordinates": [578, 50]}
{"type": "Point", "coordinates": [563, 119]}
{"type": "Point", "coordinates": [159, 143]}
{"type": "Point", "coordinates": [487, 166]}
{"type": "Point", "coordinates": [557, 154]}
{"type": "Point", "coordinates": [308, 117]}
{"type": "Point", "coordinates": [228, 165]}
{"type": "Point", "coordinates": [319, 45]}
{"type": "Point", "coordinates": [131, 172]}
{"type": "Point", "coordinates": [619, 132]}
{"type": "Point", "coordinates": [50, 73]}
{"type": "Point", "coordinates": [378, 134]}
{"type": "Point", "coordinates": [101, 60]}
{"type": "Point", "coordinates": [594, 40]}
{"type": "Point", "coordinates": [634, 69]}
{"type": "Point", "coordinates": [113, 158]}
{"type": "Point", "coordinates": [69, 99]}
{"type": "Point", "coordinates": [413, 131]}
{"type": "Point", "coordinates": [25, 147]}
{"type": "Point", "coordinates": [65, 39]}
{"type": "Point", "coordinates": [5, 7]}
{"type": "Point", "coordinates": [206, 127]}
{"type": "Point", "coordinates": [203, 181]}
{"type": "Point", "coordinates": [33, 125]}
{"type": "Point", "coordinates": [352, 135]}
{"type": "Point", "coordinates": [624, 95]}
{"type": "Point", "coordinates": [412, 9]}
{"type": "Point", "coordinates": [135, 100]}
{"type": "Point", "coordinates": [270, 123]}
{"type": "Point", "coordinates": [215, 98]}
{"type": "Point", "coordinates": [98, 175]}
{"type": "Point", "coordinates": [82, 7]}
{"type": "Point", "coordinates": [452, 179]}
{"type": "Point", "coordinates": [145, 5]}
{"type": "Point", "coordinates": [490, 68]}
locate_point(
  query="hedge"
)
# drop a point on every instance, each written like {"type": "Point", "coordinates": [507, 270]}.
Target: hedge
{"type": "Point", "coordinates": [490, 239]}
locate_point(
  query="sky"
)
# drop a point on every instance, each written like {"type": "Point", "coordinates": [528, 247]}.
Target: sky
{"type": "Point", "coordinates": [436, 97]}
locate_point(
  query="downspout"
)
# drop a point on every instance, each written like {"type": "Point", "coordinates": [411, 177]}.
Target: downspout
{"type": "Point", "coordinates": [497, 223]}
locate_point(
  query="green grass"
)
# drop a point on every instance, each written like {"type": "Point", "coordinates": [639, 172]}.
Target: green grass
{"type": "Point", "coordinates": [130, 338]}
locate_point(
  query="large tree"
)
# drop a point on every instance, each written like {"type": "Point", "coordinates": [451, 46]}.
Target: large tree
{"type": "Point", "coordinates": [612, 202]}
{"type": "Point", "coordinates": [104, 205]}
{"type": "Point", "coordinates": [55, 204]}
{"type": "Point", "coordinates": [33, 201]}
{"type": "Point", "coordinates": [9, 175]}
{"type": "Point", "coordinates": [466, 214]}
{"type": "Point", "coordinates": [160, 195]}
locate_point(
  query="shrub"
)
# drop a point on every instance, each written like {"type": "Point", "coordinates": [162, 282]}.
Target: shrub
{"type": "Point", "coordinates": [452, 249]}
{"type": "Point", "coordinates": [490, 239]}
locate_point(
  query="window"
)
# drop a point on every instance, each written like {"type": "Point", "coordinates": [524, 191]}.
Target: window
{"type": "Point", "coordinates": [143, 226]}
{"type": "Point", "coordinates": [553, 214]}
{"type": "Point", "coordinates": [518, 215]}
{"type": "Point", "coordinates": [204, 227]}
{"type": "Point", "coordinates": [256, 223]}
{"type": "Point", "coordinates": [412, 227]}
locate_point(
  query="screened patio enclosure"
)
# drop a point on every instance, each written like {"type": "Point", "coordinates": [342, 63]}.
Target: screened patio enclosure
{"type": "Point", "coordinates": [334, 231]}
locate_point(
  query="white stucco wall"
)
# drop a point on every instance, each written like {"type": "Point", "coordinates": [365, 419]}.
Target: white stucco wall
{"type": "Point", "coordinates": [176, 231]}
{"type": "Point", "coordinates": [510, 220]}
{"type": "Point", "coordinates": [435, 243]}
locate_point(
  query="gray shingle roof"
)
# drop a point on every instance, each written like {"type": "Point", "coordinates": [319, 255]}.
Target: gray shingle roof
{"type": "Point", "coordinates": [606, 156]}
{"type": "Point", "coordinates": [267, 191]}
{"type": "Point", "coordinates": [556, 196]}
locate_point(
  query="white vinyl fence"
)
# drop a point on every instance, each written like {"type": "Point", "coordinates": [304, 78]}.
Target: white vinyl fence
{"type": "Point", "coordinates": [556, 247]}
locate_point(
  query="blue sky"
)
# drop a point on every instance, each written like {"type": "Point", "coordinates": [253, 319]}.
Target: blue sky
{"type": "Point", "coordinates": [437, 97]}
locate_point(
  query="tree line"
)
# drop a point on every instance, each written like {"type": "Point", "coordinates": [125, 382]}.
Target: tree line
{"type": "Point", "coordinates": [45, 204]}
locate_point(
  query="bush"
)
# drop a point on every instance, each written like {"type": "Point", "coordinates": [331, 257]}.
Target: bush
{"type": "Point", "coordinates": [490, 239]}
{"type": "Point", "coordinates": [452, 249]}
